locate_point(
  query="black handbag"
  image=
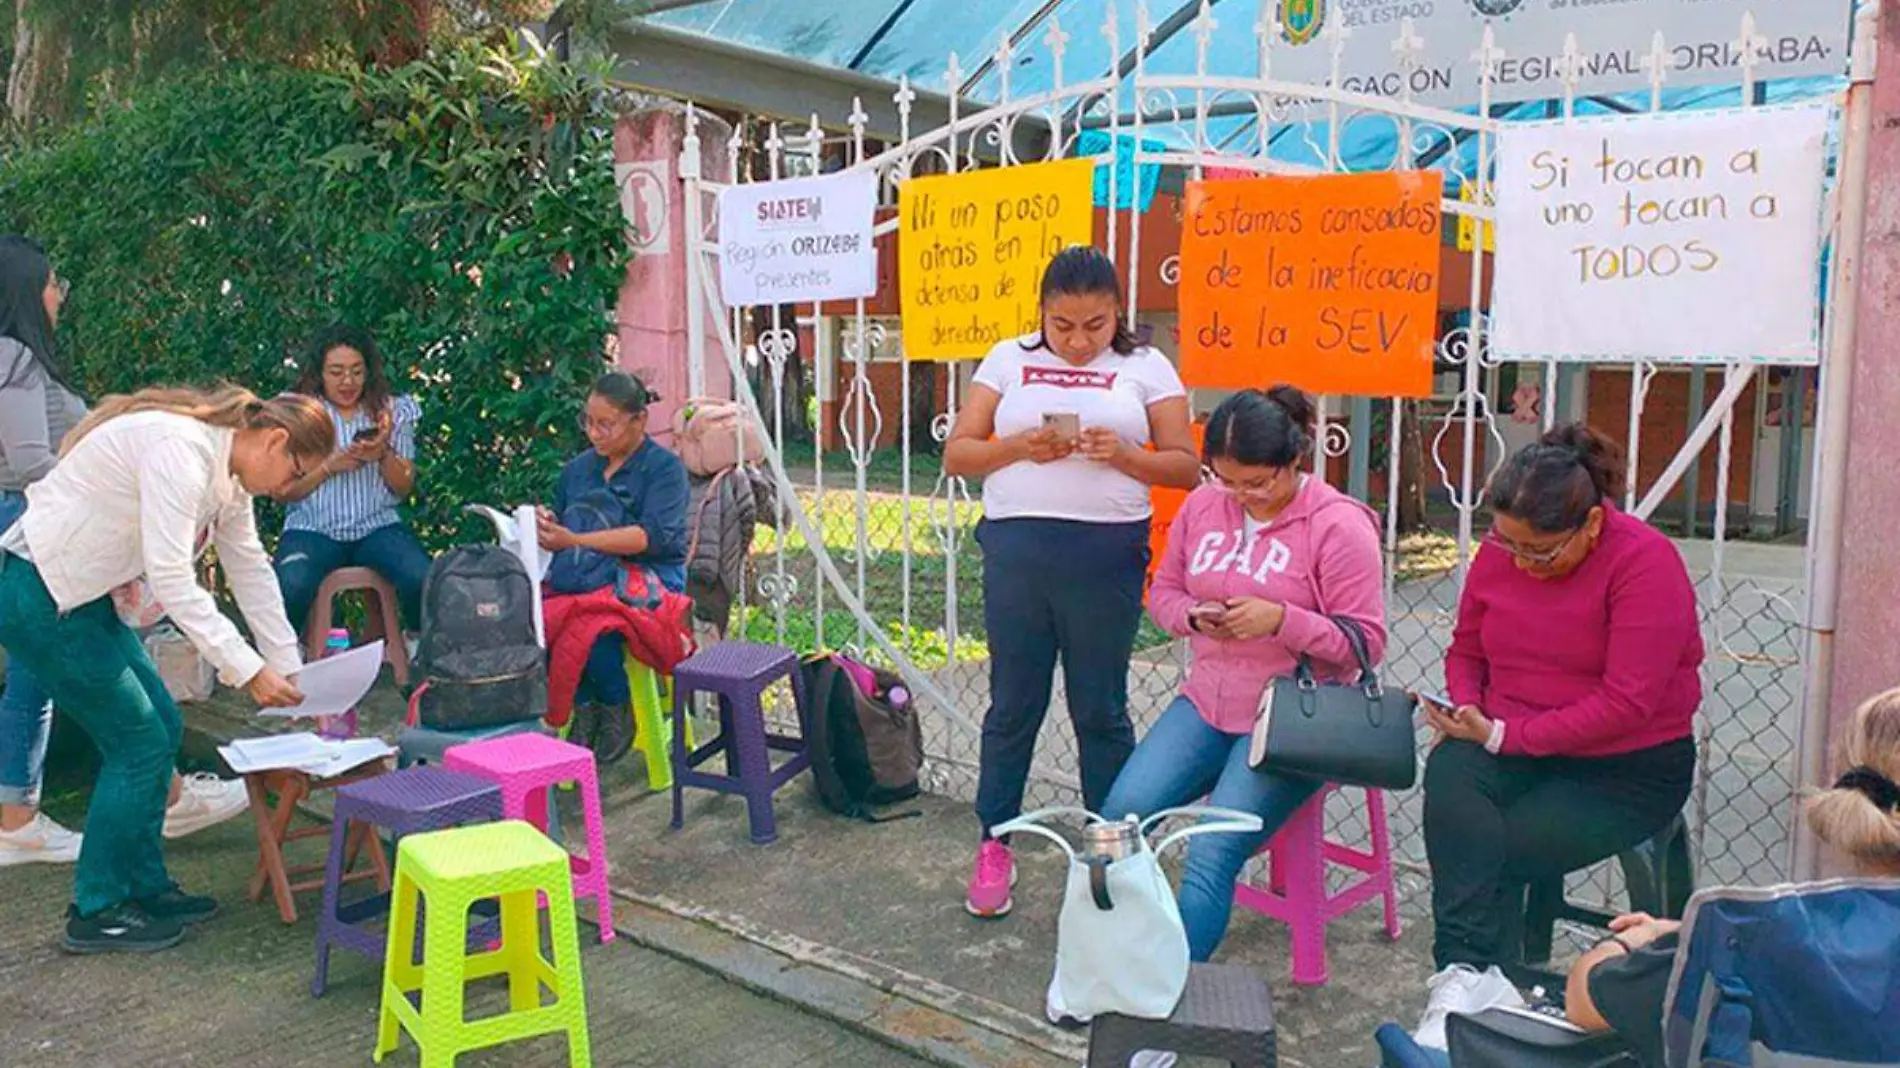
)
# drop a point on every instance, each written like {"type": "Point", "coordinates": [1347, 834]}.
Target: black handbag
{"type": "Point", "coordinates": [1500, 1038]}
{"type": "Point", "coordinates": [1355, 734]}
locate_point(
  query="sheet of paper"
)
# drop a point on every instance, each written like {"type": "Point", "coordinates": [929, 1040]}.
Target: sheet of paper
{"type": "Point", "coordinates": [302, 751]}
{"type": "Point", "coordinates": [335, 684]}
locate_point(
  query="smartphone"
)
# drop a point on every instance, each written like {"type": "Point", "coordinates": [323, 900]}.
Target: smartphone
{"type": "Point", "coordinates": [366, 433]}
{"type": "Point", "coordinates": [1445, 704]}
{"type": "Point", "coordinates": [1208, 613]}
{"type": "Point", "coordinates": [1066, 424]}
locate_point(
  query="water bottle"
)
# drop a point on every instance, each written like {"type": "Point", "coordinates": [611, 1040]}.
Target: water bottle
{"type": "Point", "coordinates": [341, 726]}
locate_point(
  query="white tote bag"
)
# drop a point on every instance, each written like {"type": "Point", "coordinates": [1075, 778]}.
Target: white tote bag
{"type": "Point", "coordinates": [1130, 957]}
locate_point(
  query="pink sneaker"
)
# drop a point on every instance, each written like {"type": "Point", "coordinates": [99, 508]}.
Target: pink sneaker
{"type": "Point", "coordinates": [990, 883]}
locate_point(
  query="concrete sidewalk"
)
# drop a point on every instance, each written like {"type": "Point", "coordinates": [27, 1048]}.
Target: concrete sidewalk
{"type": "Point", "coordinates": [865, 924]}
{"type": "Point", "coordinates": [238, 993]}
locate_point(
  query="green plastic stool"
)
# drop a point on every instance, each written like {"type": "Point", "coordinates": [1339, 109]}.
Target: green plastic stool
{"type": "Point", "coordinates": [454, 869]}
{"type": "Point", "coordinates": [652, 722]}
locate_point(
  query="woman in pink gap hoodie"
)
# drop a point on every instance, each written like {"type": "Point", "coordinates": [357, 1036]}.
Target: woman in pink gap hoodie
{"type": "Point", "coordinates": [1255, 563]}
{"type": "Point", "coordinates": [1574, 676]}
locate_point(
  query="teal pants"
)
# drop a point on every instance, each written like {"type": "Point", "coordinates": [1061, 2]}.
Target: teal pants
{"type": "Point", "coordinates": [97, 672]}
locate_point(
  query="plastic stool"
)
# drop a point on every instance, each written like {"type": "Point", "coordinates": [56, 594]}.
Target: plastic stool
{"type": "Point", "coordinates": [1297, 893]}
{"type": "Point", "coordinates": [404, 802]}
{"type": "Point", "coordinates": [1659, 875]}
{"type": "Point", "coordinates": [1225, 1013]}
{"type": "Point", "coordinates": [422, 746]}
{"type": "Point", "coordinates": [525, 766]}
{"type": "Point", "coordinates": [453, 870]}
{"type": "Point", "coordinates": [738, 672]}
{"type": "Point", "coordinates": [384, 611]}
{"type": "Point", "coordinates": [652, 730]}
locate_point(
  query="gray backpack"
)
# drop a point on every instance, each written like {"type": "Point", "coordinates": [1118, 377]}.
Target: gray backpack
{"type": "Point", "coordinates": [480, 663]}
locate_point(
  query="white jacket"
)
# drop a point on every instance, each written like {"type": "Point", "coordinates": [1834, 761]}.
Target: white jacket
{"type": "Point", "coordinates": [136, 498]}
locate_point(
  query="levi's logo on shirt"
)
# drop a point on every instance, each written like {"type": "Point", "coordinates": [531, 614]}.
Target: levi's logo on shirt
{"type": "Point", "coordinates": [1215, 555]}
{"type": "Point", "coordinates": [1068, 378]}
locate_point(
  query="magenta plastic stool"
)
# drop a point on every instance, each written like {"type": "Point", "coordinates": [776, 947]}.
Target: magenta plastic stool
{"type": "Point", "coordinates": [1297, 894]}
{"type": "Point", "coordinates": [402, 802]}
{"type": "Point", "coordinates": [739, 673]}
{"type": "Point", "coordinates": [524, 766]}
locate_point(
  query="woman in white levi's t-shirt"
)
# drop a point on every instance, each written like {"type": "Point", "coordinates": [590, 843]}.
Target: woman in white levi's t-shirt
{"type": "Point", "coordinates": [1068, 429]}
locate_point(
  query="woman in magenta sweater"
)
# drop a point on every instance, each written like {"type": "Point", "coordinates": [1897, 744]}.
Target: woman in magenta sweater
{"type": "Point", "coordinates": [1255, 563]}
{"type": "Point", "coordinates": [1574, 669]}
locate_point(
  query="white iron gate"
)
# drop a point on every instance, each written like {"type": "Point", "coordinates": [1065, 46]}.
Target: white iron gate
{"type": "Point", "coordinates": [875, 550]}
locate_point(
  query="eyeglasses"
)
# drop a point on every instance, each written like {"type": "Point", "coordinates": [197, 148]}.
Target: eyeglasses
{"type": "Point", "coordinates": [1533, 557]}
{"type": "Point", "coordinates": [346, 374]}
{"type": "Point", "coordinates": [605, 429]}
{"type": "Point", "coordinates": [1254, 491]}
{"type": "Point", "coordinates": [62, 286]}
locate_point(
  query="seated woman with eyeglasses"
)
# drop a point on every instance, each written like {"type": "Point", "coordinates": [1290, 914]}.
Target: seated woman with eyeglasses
{"type": "Point", "coordinates": [618, 525]}
{"type": "Point", "coordinates": [343, 511]}
{"type": "Point", "coordinates": [1574, 678]}
{"type": "Point", "coordinates": [1256, 561]}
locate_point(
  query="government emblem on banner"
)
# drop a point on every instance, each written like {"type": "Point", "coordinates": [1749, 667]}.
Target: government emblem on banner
{"type": "Point", "coordinates": [1492, 9]}
{"type": "Point", "coordinates": [1300, 20]}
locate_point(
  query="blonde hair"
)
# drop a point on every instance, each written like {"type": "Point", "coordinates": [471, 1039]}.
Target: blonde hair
{"type": "Point", "coordinates": [312, 434]}
{"type": "Point", "coordinates": [1847, 816]}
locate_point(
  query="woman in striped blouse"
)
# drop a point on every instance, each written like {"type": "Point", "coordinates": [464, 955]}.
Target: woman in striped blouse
{"type": "Point", "coordinates": [343, 513]}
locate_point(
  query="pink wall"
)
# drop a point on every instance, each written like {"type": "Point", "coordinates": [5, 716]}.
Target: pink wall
{"type": "Point", "coordinates": [1867, 638]}
{"type": "Point", "coordinates": [652, 310]}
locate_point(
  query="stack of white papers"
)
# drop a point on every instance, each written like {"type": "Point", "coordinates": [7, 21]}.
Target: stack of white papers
{"type": "Point", "coordinates": [303, 752]}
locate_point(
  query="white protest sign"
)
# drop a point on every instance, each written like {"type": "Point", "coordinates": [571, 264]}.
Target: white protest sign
{"type": "Point", "coordinates": [1688, 237]}
{"type": "Point", "coordinates": [799, 240]}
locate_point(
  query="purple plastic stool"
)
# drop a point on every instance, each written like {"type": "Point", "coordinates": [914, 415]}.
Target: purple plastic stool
{"type": "Point", "coordinates": [405, 802]}
{"type": "Point", "coordinates": [738, 672]}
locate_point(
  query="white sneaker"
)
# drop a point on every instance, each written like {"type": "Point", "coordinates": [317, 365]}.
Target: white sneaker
{"type": "Point", "coordinates": [39, 842]}
{"type": "Point", "coordinates": [204, 801]}
{"type": "Point", "coordinates": [1465, 990]}
{"type": "Point", "coordinates": [1152, 1058]}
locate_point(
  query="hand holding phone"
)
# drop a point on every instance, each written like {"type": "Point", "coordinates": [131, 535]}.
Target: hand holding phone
{"type": "Point", "coordinates": [1067, 425]}
{"type": "Point", "coordinates": [366, 433]}
{"type": "Point", "coordinates": [1208, 614]}
{"type": "Point", "coordinates": [1444, 703]}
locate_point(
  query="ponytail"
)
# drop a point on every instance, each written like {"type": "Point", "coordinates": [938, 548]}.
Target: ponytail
{"type": "Point", "coordinates": [1860, 814]}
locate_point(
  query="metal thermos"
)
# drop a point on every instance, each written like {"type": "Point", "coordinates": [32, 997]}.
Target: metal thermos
{"type": "Point", "coordinates": [1111, 839]}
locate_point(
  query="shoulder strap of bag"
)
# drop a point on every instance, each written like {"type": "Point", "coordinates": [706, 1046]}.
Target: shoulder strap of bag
{"type": "Point", "coordinates": [1356, 638]}
{"type": "Point", "coordinates": [1210, 820]}
{"type": "Point", "coordinates": [1032, 823]}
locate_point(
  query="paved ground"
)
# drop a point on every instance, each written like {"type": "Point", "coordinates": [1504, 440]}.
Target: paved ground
{"type": "Point", "coordinates": [237, 993]}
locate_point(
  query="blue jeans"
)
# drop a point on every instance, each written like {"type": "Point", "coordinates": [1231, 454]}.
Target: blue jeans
{"type": "Point", "coordinates": [26, 715]}
{"type": "Point", "coordinates": [94, 666]}
{"type": "Point", "coordinates": [1182, 759]}
{"type": "Point", "coordinates": [604, 679]}
{"type": "Point", "coordinates": [305, 558]}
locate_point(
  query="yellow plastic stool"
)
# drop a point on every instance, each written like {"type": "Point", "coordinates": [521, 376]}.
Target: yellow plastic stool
{"type": "Point", "coordinates": [454, 869]}
{"type": "Point", "coordinates": [653, 723]}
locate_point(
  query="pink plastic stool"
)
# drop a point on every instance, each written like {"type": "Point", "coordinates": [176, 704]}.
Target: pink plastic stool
{"type": "Point", "coordinates": [1296, 894]}
{"type": "Point", "coordinates": [525, 766]}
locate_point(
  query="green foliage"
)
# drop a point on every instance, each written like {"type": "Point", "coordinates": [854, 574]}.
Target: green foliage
{"type": "Point", "coordinates": [462, 207]}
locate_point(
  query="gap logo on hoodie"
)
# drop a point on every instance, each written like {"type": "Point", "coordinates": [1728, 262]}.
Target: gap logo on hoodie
{"type": "Point", "coordinates": [1224, 551]}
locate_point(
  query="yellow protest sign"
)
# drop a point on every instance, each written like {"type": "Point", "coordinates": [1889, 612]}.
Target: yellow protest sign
{"type": "Point", "coordinates": [1468, 224]}
{"type": "Point", "coordinates": [972, 247]}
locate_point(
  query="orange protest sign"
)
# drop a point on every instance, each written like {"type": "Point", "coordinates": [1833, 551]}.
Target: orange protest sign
{"type": "Point", "coordinates": [1329, 283]}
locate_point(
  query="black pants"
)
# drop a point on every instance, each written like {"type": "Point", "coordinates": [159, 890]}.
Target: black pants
{"type": "Point", "coordinates": [1495, 824]}
{"type": "Point", "coordinates": [1057, 588]}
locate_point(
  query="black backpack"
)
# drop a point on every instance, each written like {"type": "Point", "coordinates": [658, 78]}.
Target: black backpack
{"type": "Point", "coordinates": [480, 663]}
{"type": "Point", "coordinates": [865, 751]}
